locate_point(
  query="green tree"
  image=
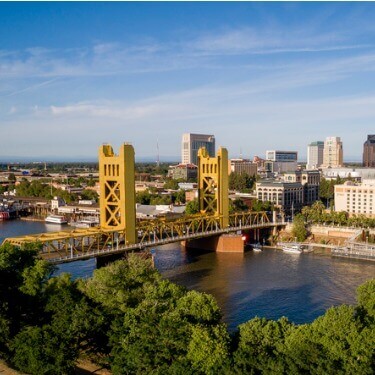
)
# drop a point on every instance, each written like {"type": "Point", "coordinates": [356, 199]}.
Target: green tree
{"type": "Point", "coordinates": [260, 346]}
{"type": "Point", "coordinates": [192, 207]}
{"type": "Point", "coordinates": [143, 197]}
{"type": "Point", "coordinates": [12, 177]}
{"type": "Point", "coordinates": [171, 184]}
{"type": "Point", "coordinates": [299, 230]}
{"type": "Point", "coordinates": [335, 343]}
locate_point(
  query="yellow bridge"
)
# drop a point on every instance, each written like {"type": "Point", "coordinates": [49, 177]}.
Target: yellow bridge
{"type": "Point", "coordinates": [119, 230]}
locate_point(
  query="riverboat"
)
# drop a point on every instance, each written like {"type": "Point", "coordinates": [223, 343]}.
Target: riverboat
{"type": "Point", "coordinates": [292, 249]}
{"type": "Point", "coordinates": [257, 247]}
{"type": "Point", "coordinates": [55, 219]}
{"type": "Point", "coordinates": [84, 223]}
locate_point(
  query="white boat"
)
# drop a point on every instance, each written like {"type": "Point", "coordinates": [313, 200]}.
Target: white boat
{"type": "Point", "coordinates": [292, 249]}
{"type": "Point", "coordinates": [84, 223]}
{"type": "Point", "coordinates": [56, 219]}
{"type": "Point", "coordinates": [257, 247]}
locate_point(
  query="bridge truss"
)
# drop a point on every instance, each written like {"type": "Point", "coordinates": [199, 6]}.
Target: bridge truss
{"type": "Point", "coordinates": [64, 246]}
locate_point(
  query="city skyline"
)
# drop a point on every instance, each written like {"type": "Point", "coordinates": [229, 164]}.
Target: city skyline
{"type": "Point", "coordinates": [258, 76]}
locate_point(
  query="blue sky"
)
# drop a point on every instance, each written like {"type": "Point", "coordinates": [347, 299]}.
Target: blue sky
{"type": "Point", "coordinates": [256, 75]}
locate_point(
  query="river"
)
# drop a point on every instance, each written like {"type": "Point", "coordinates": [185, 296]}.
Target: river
{"type": "Point", "coordinates": [269, 284]}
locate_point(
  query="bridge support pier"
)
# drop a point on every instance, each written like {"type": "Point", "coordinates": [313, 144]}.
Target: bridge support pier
{"type": "Point", "coordinates": [225, 243]}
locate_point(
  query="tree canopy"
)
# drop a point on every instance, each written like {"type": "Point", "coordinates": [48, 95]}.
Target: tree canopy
{"type": "Point", "coordinates": [130, 319]}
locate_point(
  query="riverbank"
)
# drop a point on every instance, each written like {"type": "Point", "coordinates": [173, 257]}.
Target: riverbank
{"type": "Point", "coordinates": [33, 218]}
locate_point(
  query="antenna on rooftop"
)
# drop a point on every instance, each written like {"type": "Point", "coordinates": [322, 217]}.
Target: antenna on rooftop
{"type": "Point", "coordinates": [158, 156]}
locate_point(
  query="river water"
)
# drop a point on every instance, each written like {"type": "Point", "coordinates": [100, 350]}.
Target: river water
{"type": "Point", "coordinates": [269, 284]}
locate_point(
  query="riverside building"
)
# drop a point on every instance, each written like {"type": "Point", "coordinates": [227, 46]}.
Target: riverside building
{"type": "Point", "coordinates": [298, 189]}
{"type": "Point", "coordinates": [356, 198]}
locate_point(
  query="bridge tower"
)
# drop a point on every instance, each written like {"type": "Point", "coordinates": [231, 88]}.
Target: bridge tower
{"type": "Point", "coordinates": [117, 190]}
{"type": "Point", "coordinates": [213, 184]}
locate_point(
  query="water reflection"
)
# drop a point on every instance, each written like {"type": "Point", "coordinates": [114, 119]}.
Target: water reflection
{"type": "Point", "coordinates": [269, 284]}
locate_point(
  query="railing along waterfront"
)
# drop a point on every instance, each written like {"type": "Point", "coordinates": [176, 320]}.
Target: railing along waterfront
{"type": "Point", "coordinates": [355, 250]}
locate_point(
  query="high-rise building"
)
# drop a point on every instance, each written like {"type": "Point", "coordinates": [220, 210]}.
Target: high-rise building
{"type": "Point", "coordinates": [276, 155]}
{"type": "Point", "coordinates": [191, 143]}
{"type": "Point", "coordinates": [315, 152]}
{"type": "Point", "coordinates": [281, 161]}
{"type": "Point", "coordinates": [369, 152]}
{"type": "Point", "coordinates": [333, 153]}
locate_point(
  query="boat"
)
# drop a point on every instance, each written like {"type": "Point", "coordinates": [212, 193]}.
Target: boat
{"type": "Point", "coordinates": [84, 223]}
{"type": "Point", "coordinates": [55, 219]}
{"type": "Point", "coordinates": [292, 249]}
{"type": "Point", "coordinates": [257, 247]}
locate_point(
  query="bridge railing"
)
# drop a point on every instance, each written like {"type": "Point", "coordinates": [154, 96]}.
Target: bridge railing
{"type": "Point", "coordinates": [79, 241]}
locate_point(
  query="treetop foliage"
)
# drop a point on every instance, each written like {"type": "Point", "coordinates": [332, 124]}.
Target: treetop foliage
{"type": "Point", "coordinates": [132, 321]}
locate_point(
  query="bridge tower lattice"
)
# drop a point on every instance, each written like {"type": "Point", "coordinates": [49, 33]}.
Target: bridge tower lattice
{"type": "Point", "coordinates": [117, 190]}
{"type": "Point", "coordinates": [213, 184]}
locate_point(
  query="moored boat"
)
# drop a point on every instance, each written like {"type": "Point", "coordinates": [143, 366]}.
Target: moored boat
{"type": "Point", "coordinates": [257, 247]}
{"type": "Point", "coordinates": [56, 219]}
{"type": "Point", "coordinates": [84, 223]}
{"type": "Point", "coordinates": [292, 249]}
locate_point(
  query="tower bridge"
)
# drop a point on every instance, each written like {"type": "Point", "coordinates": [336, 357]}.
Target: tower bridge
{"type": "Point", "coordinates": [119, 231]}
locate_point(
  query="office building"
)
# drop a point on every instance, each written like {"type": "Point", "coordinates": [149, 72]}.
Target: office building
{"type": "Point", "coordinates": [356, 198]}
{"type": "Point", "coordinates": [310, 180]}
{"type": "Point", "coordinates": [281, 156]}
{"type": "Point", "coordinates": [288, 196]}
{"type": "Point", "coordinates": [279, 167]}
{"type": "Point", "coordinates": [191, 143]}
{"type": "Point", "coordinates": [315, 152]}
{"type": "Point", "coordinates": [243, 166]}
{"type": "Point", "coordinates": [369, 152]}
{"type": "Point", "coordinates": [333, 153]}
{"type": "Point", "coordinates": [298, 189]}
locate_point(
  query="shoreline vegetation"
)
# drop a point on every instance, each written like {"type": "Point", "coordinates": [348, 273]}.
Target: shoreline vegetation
{"type": "Point", "coordinates": [127, 319]}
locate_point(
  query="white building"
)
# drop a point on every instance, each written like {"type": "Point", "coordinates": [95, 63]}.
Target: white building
{"type": "Point", "coordinates": [333, 153]}
{"type": "Point", "coordinates": [356, 198]}
{"type": "Point", "coordinates": [315, 151]}
{"type": "Point", "coordinates": [191, 143]}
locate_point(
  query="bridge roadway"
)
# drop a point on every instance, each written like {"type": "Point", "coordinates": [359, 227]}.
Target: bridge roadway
{"type": "Point", "coordinates": [117, 249]}
{"type": "Point", "coordinates": [80, 244]}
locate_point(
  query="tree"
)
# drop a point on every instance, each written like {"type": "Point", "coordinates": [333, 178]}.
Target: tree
{"type": "Point", "coordinates": [143, 197]}
{"type": "Point", "coordinates": [366, 299]}
{"type": "Point", "coordinates": [171, 184]}
{"type": "Point", "coordinates": [179, 197]}
{"type": "Point", "coordinates": [259, 205]}
{"type": "Point", "coordinates": [335, 343]}
{"type": "Point", "coordinates": [192, 207]}
{"type": "Point", "coordinates": [238, 205]}
{"type": "Point", "coordinates": [260, 345]}
{"type": "Point", "coordinates": [12, 177]}
{"type": "Point", "coordinates": [299, 230]}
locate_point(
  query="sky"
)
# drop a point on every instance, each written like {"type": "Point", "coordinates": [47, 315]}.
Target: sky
{"type": "Point", "coordinates": [259, 76]}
